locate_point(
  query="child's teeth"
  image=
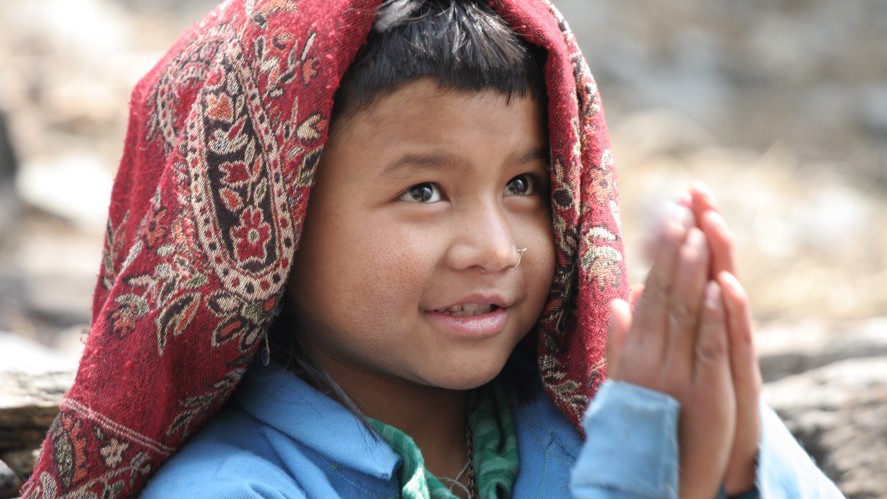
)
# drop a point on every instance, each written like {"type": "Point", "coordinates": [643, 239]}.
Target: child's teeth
{"type": "Point", "coordinates": [467, 310]}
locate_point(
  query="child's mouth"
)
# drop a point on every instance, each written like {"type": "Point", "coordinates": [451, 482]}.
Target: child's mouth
{"type": "Point", "coordinates": [467, 310]}
{"type": "Point", "coordinates": [474, 318]}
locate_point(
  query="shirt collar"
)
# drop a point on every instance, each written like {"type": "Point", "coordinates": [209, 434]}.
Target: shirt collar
{"type": "Point", "coordinates": [283, 401]}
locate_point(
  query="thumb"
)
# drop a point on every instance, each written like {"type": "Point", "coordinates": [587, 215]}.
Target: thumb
{"type": "Point", "coordinates": [618, 326]}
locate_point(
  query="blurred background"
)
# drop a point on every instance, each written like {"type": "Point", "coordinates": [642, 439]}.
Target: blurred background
{"type": "Point", "coordinates": [780, 106]}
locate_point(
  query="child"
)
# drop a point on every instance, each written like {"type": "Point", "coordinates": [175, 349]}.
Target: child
{"type": "Point", "coordinates": [436, 313]}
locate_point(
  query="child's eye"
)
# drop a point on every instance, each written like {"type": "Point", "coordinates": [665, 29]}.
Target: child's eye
{"type": "Point", "coordinates": [522, 185]}
{"type": "Point", "coordinates": [426, 192]}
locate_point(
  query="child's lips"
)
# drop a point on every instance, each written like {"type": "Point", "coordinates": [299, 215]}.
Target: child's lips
{"type": "Point", "coordinates": [467, 310]}
{"type": "Point", "coordinates": [470, 320]}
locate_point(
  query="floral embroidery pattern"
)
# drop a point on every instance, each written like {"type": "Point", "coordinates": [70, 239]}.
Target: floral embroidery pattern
{"type": "Point", "coordinates": [251, 236]}
{"type": "Point", "coordinates": [113, 452]}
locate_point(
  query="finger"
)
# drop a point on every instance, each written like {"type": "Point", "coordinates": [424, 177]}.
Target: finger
{"type": "Point", "coordinates": [711, 362]}
{"type": "Point", "coordinates": [651, 310]}
{"type": "Point", "coordinates": [746, 374]}
{"type": "Point", "coordinates": [686, 300]}
{"type": "Point", "coordinates": [618, 327]}
{"type": "Point", "coordinates": [720, 241]}
{"type": "Point", "coordinates": [707, 212]}
{"type": "Point", "coordinates": [744, 367]}
{"type": "Point", "coordinates": [743, 360]}
{"type": "Point", "coordinates": [703, 199]}
{"type": "Point", "coordinates": [710, 415]}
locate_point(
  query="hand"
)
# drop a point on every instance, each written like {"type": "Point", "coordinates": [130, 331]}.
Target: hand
{"type": "Point", "coordinates": [676, 342]}
{"type": "Point", "coordinates": [745, 372]}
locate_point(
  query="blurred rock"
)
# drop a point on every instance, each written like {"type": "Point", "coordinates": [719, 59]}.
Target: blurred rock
{"type": "Point", "coordinates": [29, 402]}
{"type": "Point", "coordinates": [61, 261]}
{"type": "Point", "coordinates": [33, 380]}
{"type": "Point", "coordinates": [10, 212]}
{"type": "Point", "coordinates": [839, 413]}
{"type": "Point", "coordinates": [8, 159]}
{"type": "Point", "coordinates": [790, 349]}
{"type": "Point", "coordinates": [21, 355]}
{"type": "Point", "coordinates": [661, 132]}
{"type": "Point", "coordinates": [829, 384]}
{"type": "Point", "coordinates": [806, 72]}
{"type": "Point", "coordinates": [873, 108]}
{"type": "Point", "coordinates": [9, 481]}
{"type": "Point", "coordinates": [75, 187]}
{"type": "Point", "coordinates": [21, 462]}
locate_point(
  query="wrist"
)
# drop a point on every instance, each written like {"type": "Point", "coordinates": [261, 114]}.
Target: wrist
{"type": "Point", "coordinates": [740, 480]}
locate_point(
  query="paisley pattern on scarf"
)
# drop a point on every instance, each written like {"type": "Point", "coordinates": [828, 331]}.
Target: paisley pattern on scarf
{"type": "Point", "coordinates": [224, 137]}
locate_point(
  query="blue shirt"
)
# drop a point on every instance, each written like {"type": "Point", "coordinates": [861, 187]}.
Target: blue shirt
{"type": "Point", "coordinates": [281, 438]}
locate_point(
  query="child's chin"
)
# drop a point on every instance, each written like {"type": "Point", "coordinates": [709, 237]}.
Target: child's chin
{"type": "Point", "coordinates": [469, 380]}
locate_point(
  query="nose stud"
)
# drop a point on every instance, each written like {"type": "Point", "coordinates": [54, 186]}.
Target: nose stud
{"type": "Point", "coordinates": [520, 256]}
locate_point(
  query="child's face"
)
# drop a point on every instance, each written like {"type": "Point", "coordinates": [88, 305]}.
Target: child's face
{"type": "Point", "coordinates": [405, 266]}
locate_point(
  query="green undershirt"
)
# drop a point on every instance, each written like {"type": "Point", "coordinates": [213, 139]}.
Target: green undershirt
{"type": "Point", "coordinates": [494, 447]}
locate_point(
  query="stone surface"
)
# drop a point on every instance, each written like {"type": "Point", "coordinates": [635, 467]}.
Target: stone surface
{"type": "Point", "coordinates": [28, 404]}
{"type": "Point", "coordinates": [21, 462]}
{"type": "Point", "coordinates": [839, 413]}
{"type": "Point", "coordinates": [74, 187]}
{"type": "Point", "coordinates": [33, 380]}
{"type": "Point", "coordinates": [20, 355]}
{"type": "Point", "coordinates": [829, 384]}
{"type": "Point", "coordinates": [10, 482]}
{"type": "Point", "coordinates": [29, 401]}
{"type": "Point", "coordinates": [789, 349]}
{"type": "Point", "coordinates": [807, 72]}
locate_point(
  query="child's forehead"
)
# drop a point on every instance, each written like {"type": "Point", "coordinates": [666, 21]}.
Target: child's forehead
{"type": "Point", "coordinates": [424, 101]}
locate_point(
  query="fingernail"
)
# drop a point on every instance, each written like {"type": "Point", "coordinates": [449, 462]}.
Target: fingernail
{"type": "Point", "coordinates": [700, 187]}
{"type": "Point", "coordinates": [681, 216]}
{"type": "Point", "coordinates": [716, 218]}
{"type": "Point", "coordinates": [730, 280]}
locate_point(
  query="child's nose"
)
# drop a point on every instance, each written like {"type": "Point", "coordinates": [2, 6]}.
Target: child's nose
{"type": "Point", "coordinates": [485, 241]}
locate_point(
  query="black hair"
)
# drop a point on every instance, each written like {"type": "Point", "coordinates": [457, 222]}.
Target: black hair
{"type": "Point", "coordinates": [464, 45]}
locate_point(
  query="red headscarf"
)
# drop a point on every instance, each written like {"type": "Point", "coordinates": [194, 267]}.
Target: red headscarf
{"type": "Point", "coordinates": [224, 137]}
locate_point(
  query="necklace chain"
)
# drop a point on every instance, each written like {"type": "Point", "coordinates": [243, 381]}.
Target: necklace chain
{"type": "Point", "coordinates": [467, 471]}
{"type": "Point", "coordinates": [469, 442]}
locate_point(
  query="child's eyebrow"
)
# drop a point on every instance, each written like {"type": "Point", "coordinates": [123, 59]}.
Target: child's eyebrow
{"type": "Point", "coordinates": [535, 154]}
{"type": "Point", "coordinates": [410, 164]}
